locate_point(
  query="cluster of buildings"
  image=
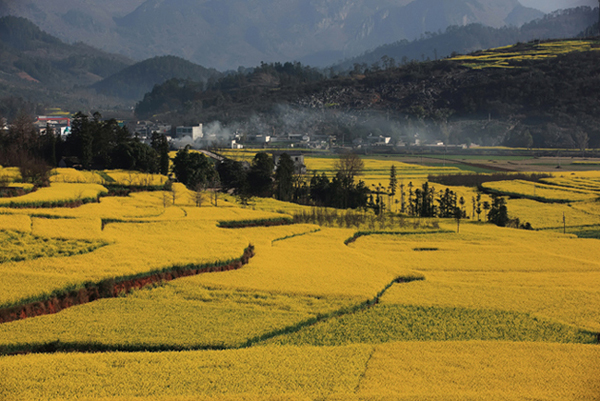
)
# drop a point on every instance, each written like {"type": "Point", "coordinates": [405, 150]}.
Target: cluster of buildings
{"type": "Point", "coordinates": [59, 124]}
{"type": "Point", "coordinates": [196, 137]}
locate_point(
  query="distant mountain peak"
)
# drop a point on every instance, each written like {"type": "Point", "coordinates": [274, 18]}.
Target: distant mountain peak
{"type": "Point", "coordinates": [228, 33]}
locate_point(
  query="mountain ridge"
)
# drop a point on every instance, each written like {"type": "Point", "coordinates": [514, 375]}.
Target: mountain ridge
{"type": "Point", "coordinates": [225, 34]}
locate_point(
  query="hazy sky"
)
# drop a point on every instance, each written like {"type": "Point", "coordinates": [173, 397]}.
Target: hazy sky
{"type": "Point", "coordinates": [551, 5]}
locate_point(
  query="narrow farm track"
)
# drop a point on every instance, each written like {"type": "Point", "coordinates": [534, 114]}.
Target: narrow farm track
{"type": "Point", "coordinates": [113, 288]}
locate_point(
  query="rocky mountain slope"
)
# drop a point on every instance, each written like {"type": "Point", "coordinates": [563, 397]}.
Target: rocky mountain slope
{"type": "Point", "coordinates": [228, 33]}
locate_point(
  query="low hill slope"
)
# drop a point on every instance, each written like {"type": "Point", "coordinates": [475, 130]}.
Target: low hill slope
{"type": "Point", "coordinates": [136, 80]}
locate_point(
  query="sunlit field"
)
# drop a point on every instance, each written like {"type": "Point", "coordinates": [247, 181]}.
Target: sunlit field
{"type": "Point", "coordinates": [502, 56]}
{"type": "Point", "coordinates": [396, 309]}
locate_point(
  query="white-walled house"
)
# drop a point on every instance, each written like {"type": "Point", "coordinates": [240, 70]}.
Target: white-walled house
{"type": "Point", "coordinates": [194, 132]}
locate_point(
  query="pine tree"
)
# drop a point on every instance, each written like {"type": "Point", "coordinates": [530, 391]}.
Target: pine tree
{"type": "Point", "coordinates": [393, 184]}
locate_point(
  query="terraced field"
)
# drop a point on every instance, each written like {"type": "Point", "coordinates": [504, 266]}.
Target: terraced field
{"type": "Point", "coordinates": [404, 312]}
{"type": "Point", "coordinates": [506, 57]}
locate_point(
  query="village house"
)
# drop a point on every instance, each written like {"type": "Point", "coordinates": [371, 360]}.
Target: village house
{"type": "Point", "coordinates": [60, 125]}
{"type": "Point", "coordinates": [195, 132]}
{"type": "Point", "coordinates": [297, 158]}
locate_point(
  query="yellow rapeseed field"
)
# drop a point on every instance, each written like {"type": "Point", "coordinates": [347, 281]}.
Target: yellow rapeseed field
{"type": "Point", "coordinates": [55, 194]}
{"type": "Point", "coordinates": [471, 370]}
{"type": "Point", "coordinates": [72, 175]}
{"type": "Point", "coordinates": [286, 372]}
{"type": "Point", "coordinates": [134, 178]}
{"type": "Point", "coordinates": [523, 292]}
{"type": "Point", "coordinates": [17, 246]}
{"type": "Point", "coordinates": [552, 193]}
{"type": "Point", "coordinates": [179, 314]}
{"type": "Point", "coordinates": [565, 297]}
{"type": "Point", "coordinates": [10, 174]}
{"type": "Point", "coordinates": [133, 248]}
{"type": "Point", "coordinates": [500, 57]}
{"type": "Point", "coordinates": [550, 215]}
{"type": "Point", "coordinates": [15, 222]}
{"type": "Point", "coordinates": [585, 183]}
{"type": "Point", "coordinates": [317, 264]}
{"type": "Point", "coordinates": [475, 370]}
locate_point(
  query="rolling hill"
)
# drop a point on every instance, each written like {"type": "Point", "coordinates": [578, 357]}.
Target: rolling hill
{"type": "Point", "coordinates": [136, 80]}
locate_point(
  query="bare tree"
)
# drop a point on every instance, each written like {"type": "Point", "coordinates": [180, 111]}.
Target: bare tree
{"type": "Point", "coordinates": [174, 194]}
{"type": "Point", "coordinates": [165, 199]}
{"type": "Point", "coordinates": [349, 165]}
{"type": "Point", "coordinates": [198, 194]}
{"type": "Point", "coordinates": [582, 140]}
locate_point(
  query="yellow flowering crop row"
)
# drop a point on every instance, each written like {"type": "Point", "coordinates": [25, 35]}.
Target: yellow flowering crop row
{"type": "Point", "coordinates": [317, 264]}
{"type": "Point", "coordinates": [18, 246]}
{"type": "Point", "coordinates": [513, 250]}
{"type": "Point", "coordinates": [15, 222]}
{"type": "Point", "coordinates": [499, 58]}
{"type": "Point", "coordinates": [10, 173]}
{"type": "Point", "coordinates": [72, 175]}
{"type": "Point", "coordinates": [567, 297]}
{"type": "Point", "coordinates": [287, 372]}
{"type": "Point", "coordinates": [377, 167]}
{"type": "Point", "coordinates": [55, 194]}
{"type": "Point", "coordinates": [135, 178]}
{"type": "Point", "coordinates": [550, 215]}
{"type": "Point", "coordinates": [475, 370]}
{"type": "Point", "coordinates": [395, 371]}
{"type": "Point", "coordinates": [388, 323]}
{"type": "Point", "coordinates": [585, 183]}
{"type": "Point", "coordinates": [120, 177]}
{"type": "Point", "coordinates": [134, 248]}
{"type": "Point", "coordinates": [179, 314]}
{"type": "Point", "coordinates": [528, 189]}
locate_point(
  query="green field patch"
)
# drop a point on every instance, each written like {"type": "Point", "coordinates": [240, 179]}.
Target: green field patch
{"type": "Point", "coordinates": [387, 323]}
{"type": "Point", "coordinates": [18, 246]}
{"type": "Point", "coordinates": [586, 232]}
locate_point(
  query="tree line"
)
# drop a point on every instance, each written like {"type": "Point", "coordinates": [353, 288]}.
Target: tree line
{"type": "Point", "coordinates": [98, 144]}
{"type": "Point", "coordinates": [262, 178]}
{"type": "Point", "coordinates": [92, 144]}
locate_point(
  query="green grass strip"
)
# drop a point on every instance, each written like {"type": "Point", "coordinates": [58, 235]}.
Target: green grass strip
{"type": "Point", "coordinates": [359, 234]}
{"type": "Point", "coordinates": [279, 221]}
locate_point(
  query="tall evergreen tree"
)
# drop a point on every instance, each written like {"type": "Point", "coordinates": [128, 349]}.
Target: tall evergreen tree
{"type": "Point", "coordinates": [498, 213]}
{"type": "Point", "coordinates": [393, 184]}
{"type": "Point", "coordinates": [160, 144]}
{"type": "Point", "coordinates": [284, 178]}
{"type": "Point", "coordinates": [193, 169]}
{"type": "Point", "coordinates": [260, 176]}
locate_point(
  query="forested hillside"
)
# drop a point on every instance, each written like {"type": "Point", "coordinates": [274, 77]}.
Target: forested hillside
{"type": "Point", "coordinates": [464, 39]}
{"type": "Point", "coordinates": [37, 67]}
{"type": "Point", "coordinates": [29, 54]}
{"type": "Point", "coordinates": [541, 98]}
